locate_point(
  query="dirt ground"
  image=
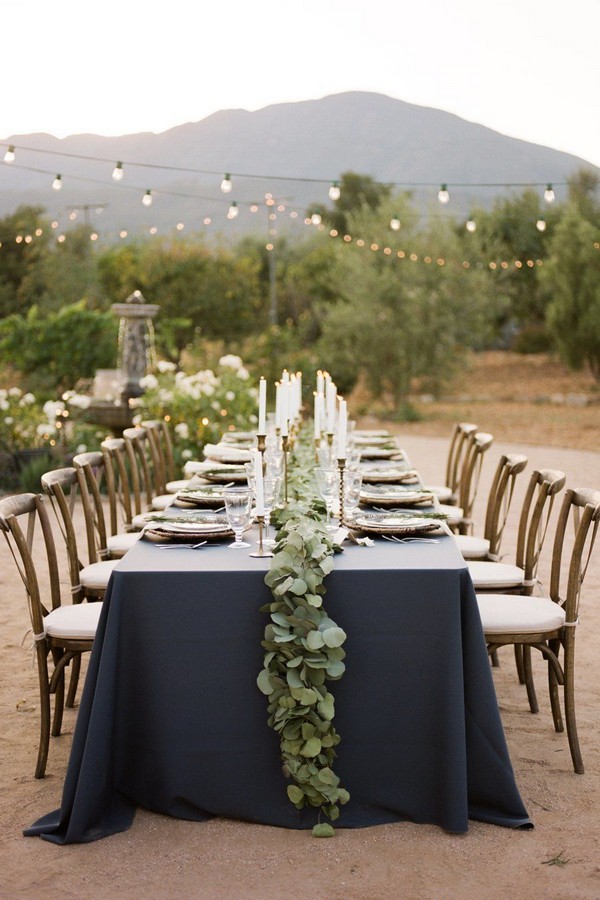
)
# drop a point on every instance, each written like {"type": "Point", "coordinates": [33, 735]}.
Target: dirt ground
{"type": "Point", "coordinates": [161, 857]}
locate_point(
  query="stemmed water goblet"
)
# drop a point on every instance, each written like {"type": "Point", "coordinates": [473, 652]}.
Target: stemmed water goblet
{"type": "Point", "coordinates": [327, 483]}
{"type": "Point", "coordinates": [271, 492]}
{"type": "Point", "coordinates": [238, 509]}
{"type": "Point", "coordinates": [352, 489]}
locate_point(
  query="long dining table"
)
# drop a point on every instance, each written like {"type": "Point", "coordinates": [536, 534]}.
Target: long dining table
{"type": "Point", "coordinates": [171, 718]}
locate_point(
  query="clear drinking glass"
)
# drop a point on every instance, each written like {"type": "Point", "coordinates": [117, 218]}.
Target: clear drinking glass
{"type": "Point", "coordinates": [352, 489]}
{"type": "Point", "coordinates": [271, 492]}
{"type": "Point", "coordinates": [327, 483]}
{"type": "Point", "coordinates": [238, 509]}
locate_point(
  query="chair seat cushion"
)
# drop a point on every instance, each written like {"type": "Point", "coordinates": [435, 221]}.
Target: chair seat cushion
{"type": "Point", "coordinates": [495, 575]}
{"type": "Point", "coordinates": [441, 491]}
{"type": "Point", "coordinates": [96, 576]}
{"type": "Point", "coordinates": [78, 621]}
{"type": "Point", "coordinates": [162, 501]}
{"type": "Point", "coordinates": [174, 486]}
{"type": "Point", "coordinates": [454, 513]}
{"type": "Point", "coordinates": [472, 547]}
{"type": "Point", "coordinates": [513, 613]}
{"type": "Point", "coordinates": [119, 544]}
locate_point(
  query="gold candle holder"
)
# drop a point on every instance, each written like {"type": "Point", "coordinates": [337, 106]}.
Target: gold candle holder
{"type": "Point", "coordinates": [261, 550]}
{"type": "Point", "coordinates": [341, 466]}
{"type": "Point", "coordinates": [261, 440]}
{"type": "Point", "coordinates": [285, 445]}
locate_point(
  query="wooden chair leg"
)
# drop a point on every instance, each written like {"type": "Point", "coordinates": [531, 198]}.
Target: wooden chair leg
{"type": "Point", "coordinates": [40, 769]}
{"type": "Point", "coordinates": [73, 681]}
{"type": "Point", "coordinates": [554, 692]}
{"type": "Point", "coordinates": [569, 670]}
{"type": "Point", "coordinates": [519, 663]}
{"type": "Point", "coordinates": [495, 660]}
{"type": "Point", "coordinates": [528, 678]}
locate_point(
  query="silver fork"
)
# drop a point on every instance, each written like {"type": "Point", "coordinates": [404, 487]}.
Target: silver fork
{"type": "Point", "coordinates": [409, 540]}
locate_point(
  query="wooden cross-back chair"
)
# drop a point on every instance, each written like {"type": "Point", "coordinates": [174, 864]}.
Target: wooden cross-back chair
{"type": "Point", "coordinates": [88, 581]}
{"type": "Point", "coordinates": [159, 435]}
{"type": "Point", "coordinates": [462, 436]}
{"type": "Point", "coordinates": [476, 445]}
{"type": "Point", "coordinates": [147, 475]}
{"type": "Point", "coordinates": [549, 623]}
{"type": "Point", "coordinates": [93, 472]}
{"type": "Point", "coordinates": [497, 509]}
{"type": "Point", "coordinates": [61, 632]}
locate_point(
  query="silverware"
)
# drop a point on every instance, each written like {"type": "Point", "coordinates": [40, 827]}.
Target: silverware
{"type": "Point", "coordinates": [181, 546]}
{"type": "Point", "coordinates": [409, 540]}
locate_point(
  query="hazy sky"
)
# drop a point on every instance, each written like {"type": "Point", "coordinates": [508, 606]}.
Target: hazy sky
{"type": "Point", "coordinates": [527, 68]}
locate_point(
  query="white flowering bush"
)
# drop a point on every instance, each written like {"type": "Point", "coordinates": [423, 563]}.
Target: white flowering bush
{"type": "Point", "coordinates": [23, 422]}
{"type": "Point", "coordinates": [199, 406]}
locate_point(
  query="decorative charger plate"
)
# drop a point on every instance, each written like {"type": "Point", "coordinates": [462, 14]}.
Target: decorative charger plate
{"type": "Point", "coordinates": [389, 475]}
{"type": "Point", "coordinates": [209, 495]}
{"type": "Point", "coordinates": [224, 474]}
{"type": "Point", "coordinates": [227, 453]}
{"type": "Point", "coordinates": [209, 528]}
{"type": "Point", "coordinates": [371, 432]}
{"type": "Point", "coordinates": [372, 440]}
{"type": "Point", "coordinates": [392, 523]}
{"type": "Point", "coordinates": [394, 495]}
{"type": "Point", "coordinates": [238, 437]}
{"type": "Point", "coordinates": [371, 452]}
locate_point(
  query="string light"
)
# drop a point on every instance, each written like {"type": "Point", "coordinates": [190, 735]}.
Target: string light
{"type": "Point", "coordinates": [541, 224]}
{"type": "Point", "coordinates": [395, 223]}
{"type": "Point", "coordinates": [549, 195]}
{"type": "Point", "coordinates": [471, 226]}
{"type": "Point", "coordinates": [334, 191]}
{"type": "Point", "coordinates": [443, 195]}
{"type": "Point", "coordinates": [233, 211]}
{"type": "Point", "coordinates": [147, 198]}
{"type": "Point", "coordinates": [57, 183]}
{"type": "Point", "coordinates": [117, 173]}
{"type": "Point", "coordinates": [9, 156]}
{"type": "Point", "coordinates": [226, 184]}
{"type": "Point", "coordinates": [315, 219]}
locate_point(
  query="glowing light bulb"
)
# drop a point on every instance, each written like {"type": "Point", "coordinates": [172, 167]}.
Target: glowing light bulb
{"type": "Point", "coordinates": [471, 226]}
{"type": "Point", "coordinates": [118, 173]}
{"type": "Point", "coordinates": [443, 195]}
{"type": "Point", "coordinates": [549, 195]}
{"type": "Point", "coordinates": [147, 198]}
{"type": "Point", "coordinates": [541, 224]}
{"type": "Point", "coordinates": [395, 223]}
{"type": "Point", "coordinates": [315, 219]}
{"type": "Point", "coordinates": [9, 156]}
{"type": "Point", "coordinates": [334, 191]}
{"type": "Point", "coordinates": [233, 211]}
{"type": "Point", "coordinates": [226, 184]}
{"type": "Point", "coordinates": [57, 183]}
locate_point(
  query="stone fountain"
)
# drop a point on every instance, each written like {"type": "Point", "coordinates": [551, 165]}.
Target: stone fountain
{"type": "Point", "coordinates": [113, 388]}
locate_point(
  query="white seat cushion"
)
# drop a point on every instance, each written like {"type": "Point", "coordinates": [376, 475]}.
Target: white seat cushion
{"type": "Point", "coordinates": [119, 544]}
{"type": "Point", "coordinates": [77, 622]}
{"type": "Point", "coordinates": [454, 513]}
{"type": "Point", "coordinates": [96, 576]}
{"type": "Point", "coordinates": [162, 501]}
{"type": "Point", "coordinates": [442, 492]}
{"type": "Point", "coordinates": [174, 486]}
{"type": "Point", "coordinates": [510, 613]}
{"type": "Point", "coordinates": [495, 575]}
{"type": "Point", "coordinates": [472, 547]}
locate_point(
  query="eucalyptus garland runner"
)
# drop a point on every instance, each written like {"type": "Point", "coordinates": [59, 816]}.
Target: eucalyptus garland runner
{"type": "Point", "coordinates": [303, 649]}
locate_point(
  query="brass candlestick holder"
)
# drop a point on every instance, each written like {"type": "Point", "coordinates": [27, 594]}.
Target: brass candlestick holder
{"type": "Point", "coordinates": [285, 446]}
{"type": "Point", "coordinates": [261, 550]}
{"type": "Point", "coordinates": [261, 440]}
{"type": "Point", "coordinates": [341, 466]}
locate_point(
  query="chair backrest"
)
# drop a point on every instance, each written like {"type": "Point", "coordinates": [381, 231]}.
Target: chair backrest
{"type": "Point", "coordinates": [462, 435]}
{"type": "Point", "coordinates": [19, 516]}
{"type": "Point", "coordinates": [581, 506]}
{"type": "Point", "coordinates": [116, 460]}
{"type": "Point", "coordinates": [500, 499]}
{"type": "Point", "coordinates": [477, 446]}
{"type": "Point", "coordinates": [139, 457]}
{"type": "Point", "coordinates": [62, 488]}
{"type": "Point", "coordinates": [160, 436]}
{"type": "Point", "coordinates": [544, 485]}
{"type": "Point", "coordinates": [92, 473]}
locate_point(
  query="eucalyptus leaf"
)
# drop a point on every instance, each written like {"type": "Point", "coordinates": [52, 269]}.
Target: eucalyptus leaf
{"type": "Point", "coordinates": [323, 830]}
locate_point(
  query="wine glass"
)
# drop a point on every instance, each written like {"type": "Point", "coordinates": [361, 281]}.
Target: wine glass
{"type": "Point", "coordinates": [352, 489]}
{"type": "Point", "coordinates": [271, 491]}
{"type": "Point", "coordinates": [327, 483]}
{"type": "Point", "coordinates": [238, 509]}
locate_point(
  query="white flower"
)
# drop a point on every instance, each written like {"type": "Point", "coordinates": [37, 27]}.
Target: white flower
{"type": "Point", "coordinates": [137, 420]}
{"type": "Point", "coordinates": [230, 396]}
{"type": "Point", "coordinates": [14, 392]}
{"type": "Point", "coordinates": [81, 448]}
{"type": "Point", "coordinates": [41, 430]}
{"type": "Point", "coordinates": [3, 393]}
{"type": "Point", "coordinates": [27, 399]}
{"type": "Point", "coordinates": [163, 365]}
{"type": "Point", "coordinates": [8, 420]}
{"type": "Point", "coordinates": [216, 405]}
{"type": "Point", "coordinates": [253, 418]}
{"type": "Point", "coordinates": [243, 373]}
{"type": "Point", "coordinates": [149, 382]}
{"type": "Point", "coordinates": [52, 408]}
{"type": "Point", "coordinates": [208, 389]}
{"type": "Point", "coordinates": [229, 361]}
{"type": "Point", "coordinates": [186, 454]}
{"type": "Point", "coordinates": [165, 396]}
{"type": "Point", "coordinates": [182, 430]}
{"type": "Point", "coordinates": [4, 404]}
{"type": "Point", "coordinates": [80, 401]}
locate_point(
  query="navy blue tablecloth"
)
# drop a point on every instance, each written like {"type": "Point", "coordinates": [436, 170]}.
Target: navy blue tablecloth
{"type": "Point", "coordinates": [171, 718]}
